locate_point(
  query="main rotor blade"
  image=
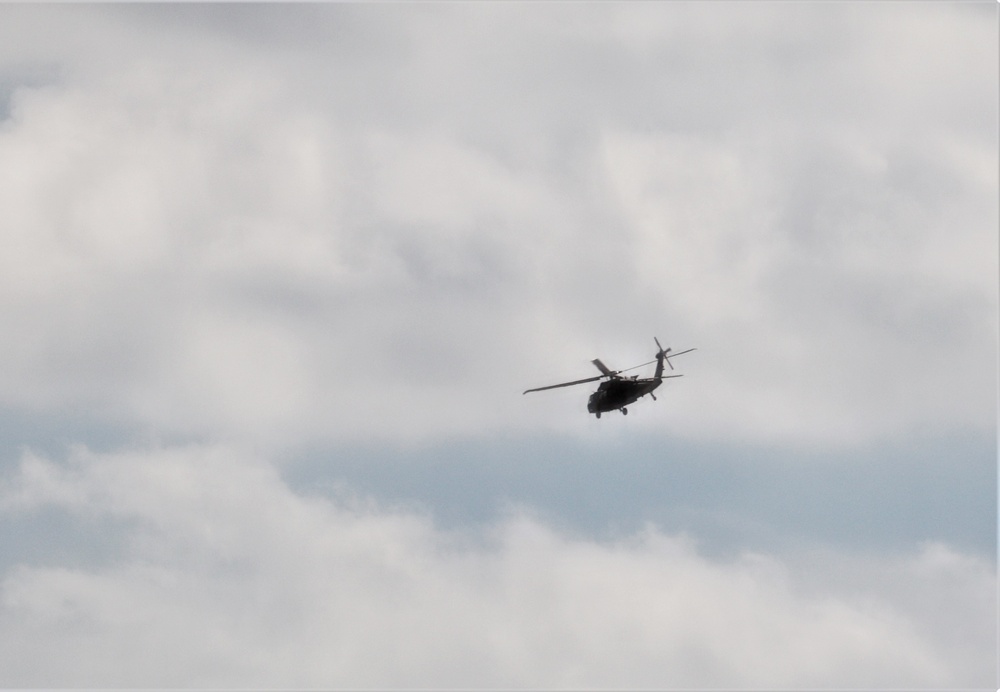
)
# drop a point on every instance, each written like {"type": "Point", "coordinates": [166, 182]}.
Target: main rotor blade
{"type": "Point", "coordinates": [608, 372]}
{"type": "Point", "coordinates": [634, 367]}
{"type": "Point", "coordinates": [672, 355]}
{"type": "Point", "coordinates": [565, 384]}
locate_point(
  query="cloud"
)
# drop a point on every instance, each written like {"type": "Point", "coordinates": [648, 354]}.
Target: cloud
{"type": "Point", "coordinates": [733, 498]}
{"type": "Point", "coordinates": [371, 227]}
{"type": "Point", "coordinates": [225, 577]}
{"type": "Point", "coordinates": [255, 226]}
{"type": "Point", "coordinates": [814, 322]}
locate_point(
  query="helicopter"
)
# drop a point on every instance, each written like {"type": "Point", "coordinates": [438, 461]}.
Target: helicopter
{"type": "Point", "coordinates": [617, 392]}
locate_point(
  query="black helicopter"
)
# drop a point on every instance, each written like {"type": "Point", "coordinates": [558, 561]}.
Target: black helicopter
{"type": "Point", "coordinates": [618, 392]}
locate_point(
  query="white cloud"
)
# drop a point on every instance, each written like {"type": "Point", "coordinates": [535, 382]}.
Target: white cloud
{"type": "Point", "coordinates": [816, 319]}
{"type": "Point", "coordinates": [323, 223]}
{"type": "Point", "coordinates": [227, 578]}
{"type": "Point", "coordinates": [255, 227]}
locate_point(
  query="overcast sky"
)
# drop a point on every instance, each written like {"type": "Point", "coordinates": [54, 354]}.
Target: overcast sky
{"type": "Point", "coordinates": [275, 276]}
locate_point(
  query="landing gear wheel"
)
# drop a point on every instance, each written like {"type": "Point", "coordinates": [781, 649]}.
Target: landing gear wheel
{"type": "Point", "coordinates": [598, 414]}
{"type": "Point", "coordinates": [624, 411]}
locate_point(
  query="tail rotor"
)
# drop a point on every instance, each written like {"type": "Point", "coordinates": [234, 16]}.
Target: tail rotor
{"type": "Point", "coordinates": [664, 355]}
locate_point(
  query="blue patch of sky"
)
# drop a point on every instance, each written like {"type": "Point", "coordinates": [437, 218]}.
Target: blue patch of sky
{"type": "Point", "coordinates": [50, 535]}
{"type": "Point", "coordinates": [885, 498]}
{"type": "Point", "coordinates": [51, 434]}
{"type": "Point", "coordinates": [24, 75]}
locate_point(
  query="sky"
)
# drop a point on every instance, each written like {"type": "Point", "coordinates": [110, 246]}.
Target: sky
{"type": "Point", "coordinates": [275, 276]}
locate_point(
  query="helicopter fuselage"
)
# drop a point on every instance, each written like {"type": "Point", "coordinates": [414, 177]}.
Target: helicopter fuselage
{"type": "Point", "coordinates": [617, 393]}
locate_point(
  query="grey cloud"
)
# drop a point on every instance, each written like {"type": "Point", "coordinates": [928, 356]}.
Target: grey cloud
{"type": "Point", "coordinates": [229, 577]}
